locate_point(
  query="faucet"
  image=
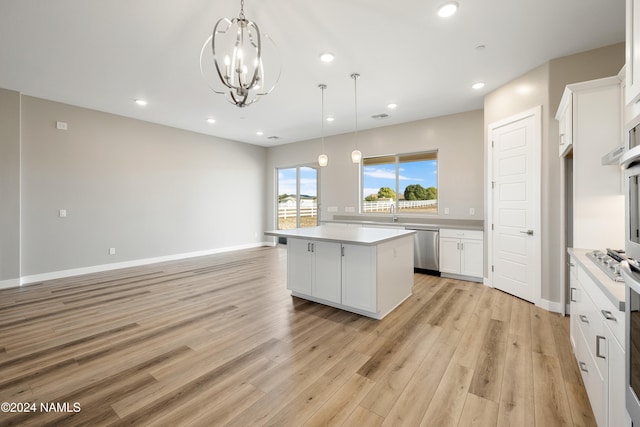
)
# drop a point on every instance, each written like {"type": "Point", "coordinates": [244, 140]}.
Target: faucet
{"type": "Point", "coordinates": [392, 209]}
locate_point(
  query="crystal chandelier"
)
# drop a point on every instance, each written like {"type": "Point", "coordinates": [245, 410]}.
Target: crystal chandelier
{"type": "Point", "coordinates": [323, 160]}
{"type": "Point", "coordinates": [237, 47]}
{"type": "Point", "coordinates": [356, 155]}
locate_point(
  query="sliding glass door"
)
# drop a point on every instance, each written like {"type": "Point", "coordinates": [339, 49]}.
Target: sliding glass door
{"type": "Point", "coordinates": [297, 197]}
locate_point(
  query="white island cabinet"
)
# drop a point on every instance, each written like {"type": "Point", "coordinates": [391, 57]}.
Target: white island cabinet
{"type": "Point", "coordinates": [368, 271]}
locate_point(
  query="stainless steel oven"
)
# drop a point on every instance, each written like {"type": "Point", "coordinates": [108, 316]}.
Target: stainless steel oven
{"type": "Point", "coordinates": [632, 350]}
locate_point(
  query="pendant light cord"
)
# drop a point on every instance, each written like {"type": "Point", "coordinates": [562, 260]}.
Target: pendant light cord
{"type": "Point", "coordinates": [355, 86]}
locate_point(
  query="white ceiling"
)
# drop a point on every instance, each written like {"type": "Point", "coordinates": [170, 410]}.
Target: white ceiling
{"type": "Point", "coordinates": [104, 54]}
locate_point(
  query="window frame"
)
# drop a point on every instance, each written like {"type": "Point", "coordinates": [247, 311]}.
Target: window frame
{"type": "Point", "coordinates": [398, 159]}
{"type": "Point", "coordinates": [297, 194]}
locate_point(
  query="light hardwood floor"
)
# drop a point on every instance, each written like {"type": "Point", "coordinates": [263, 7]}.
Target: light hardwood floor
{"type": "Point", "coordinates": [218, 340]}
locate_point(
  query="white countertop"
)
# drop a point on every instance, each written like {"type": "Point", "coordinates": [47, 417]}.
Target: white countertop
{"type": "Point", "coordinates": [613, 290]}
{"type": "Point", "coordinates": [354, 235]}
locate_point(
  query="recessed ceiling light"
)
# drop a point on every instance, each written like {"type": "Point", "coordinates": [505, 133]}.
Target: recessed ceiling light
{"type": "Point", "coordinates": [327, 57]}
{"type": "Point", "coordinates": [478, 85]}
{"type": "Point", "coordinates": [259, 133]}
{"type": "Point", "coordinates": [330, 118]}
{"type": "Point", "coordinates": [210, 120]}
{"type": "Point", "coordinates": [447, 9]}
{"type": "Point", "coordinates": [141, 102]}
{"type": "Point", "coordinates": [392, 106]}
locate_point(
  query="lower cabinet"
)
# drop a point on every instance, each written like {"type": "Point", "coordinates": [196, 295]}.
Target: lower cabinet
{"type": "Point", "coordinates": [315, 269]}
{"type": "Point", "coordinates": [598, 345]}
{"type": "Point", "coordinates": [358, 277]}
{"type": "Point", "coordinates": [462, 253]}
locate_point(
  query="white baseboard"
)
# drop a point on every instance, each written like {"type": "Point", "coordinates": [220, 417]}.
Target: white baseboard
{"type": "Point", "coordinates": [11, 283]}
{"type": "Point", "coordinates": [25, 280]}
{"type": "Point", "coordinates": [554, 307]}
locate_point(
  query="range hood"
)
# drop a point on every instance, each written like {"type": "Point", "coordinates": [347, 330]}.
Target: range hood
{"type": "Point", "coordinates": [613, 156]}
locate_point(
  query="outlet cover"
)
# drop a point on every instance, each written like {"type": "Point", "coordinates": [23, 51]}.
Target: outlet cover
{"type": "Point", "coordinates": [62, 213]}
{"type": "Point", "coordinates": [332, 209]}
{"type": "Point", "coordinates": [61, 125]}
{"type": "Point", "coordinates": [472, 211]}
{"type": "Point", "coordinates": [349, 209]}
{"type": "Point", "coordinates": [112, 251]}
{"type": "Point", "coordinates": [446, 211]}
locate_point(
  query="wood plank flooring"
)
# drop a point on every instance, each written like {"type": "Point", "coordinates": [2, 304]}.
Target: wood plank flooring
{"type": "Point", "coordinates": [218, 340]}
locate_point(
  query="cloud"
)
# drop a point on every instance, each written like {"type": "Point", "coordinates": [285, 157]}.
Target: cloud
{"type": "Point", "coordinates": [387, 174]}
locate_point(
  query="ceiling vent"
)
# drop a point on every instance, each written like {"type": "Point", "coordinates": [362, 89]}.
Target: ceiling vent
{"type": "Point", "coordinates": [379, 116]}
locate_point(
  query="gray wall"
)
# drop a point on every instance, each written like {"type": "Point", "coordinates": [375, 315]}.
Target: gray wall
{"type": "Point", "coordinates": [146, 190]}
{"type": "Point", "coordinates": [458, 139]}
{"type": "Point", "coordinates": [9, 185]}
{"type": "Point", "coordinates": [544, 86]}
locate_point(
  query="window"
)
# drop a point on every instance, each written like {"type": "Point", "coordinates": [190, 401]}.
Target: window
{"type": "Point", "coordinates": [297, 197]}
{"type": "Point", "coordinates": [409, 182]}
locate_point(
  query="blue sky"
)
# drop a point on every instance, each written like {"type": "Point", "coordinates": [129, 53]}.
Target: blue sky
{"type": "Point", "coordinates": [287, 181]}
{"type": "Point", "coordinates": [377, 176]}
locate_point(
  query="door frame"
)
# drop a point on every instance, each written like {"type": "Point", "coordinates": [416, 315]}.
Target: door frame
{"type": "Point", "coordinates": [536, 113]}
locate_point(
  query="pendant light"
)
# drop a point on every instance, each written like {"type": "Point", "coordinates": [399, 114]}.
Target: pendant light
{"type": "Point", "coordinates": [356, 155]}
{"type": "Point", "coordinates": [237, 46]}
{"type": "Point", "coordinates": [323, 160]}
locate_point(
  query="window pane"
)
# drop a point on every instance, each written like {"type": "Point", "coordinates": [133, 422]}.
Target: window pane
{"type": "Point", "coordinates": [287, 200]}
{"type": "Point", "coordinates": [418, 184]}
{"type": "Point", "coordinates": [308, 197]}
{"type": "Point", "coordinates": [378, 184]}
{"type": "Point", "coordinates": [410, 181]}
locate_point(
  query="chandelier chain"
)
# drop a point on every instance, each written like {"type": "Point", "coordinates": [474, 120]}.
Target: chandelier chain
{"type": "Point", "coordinates": [242, 9]}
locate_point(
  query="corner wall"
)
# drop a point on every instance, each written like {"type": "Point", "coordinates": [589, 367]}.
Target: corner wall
{"type": "Point", "coordinates": [544, 86]}
{"type": "Point", "coordinates": [9, 188]}
{"type": "Point", "coordinates": [147, 190]}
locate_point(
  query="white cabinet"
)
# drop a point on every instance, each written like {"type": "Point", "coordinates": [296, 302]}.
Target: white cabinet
{"type": "Point", "coordinates": [367, 279]}
{"type": "Point", "coordinates": [597, 337]}
{"type": "Point", "coordinates": [565, 123]}
{"type": "Point", "coordinates": [596, 189]}
{"type": "Point", "coordinates": [315, 269]}
{"type": "Point", "coordinates": [462, 253]}
{"type": "Point", "coordinates": [357, 277]}
{"type": "Point", "coordinates": [632, 47]}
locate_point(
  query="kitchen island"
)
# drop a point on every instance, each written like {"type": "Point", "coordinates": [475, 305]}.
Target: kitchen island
{"type": "Point", "coordinates": [368, 271]}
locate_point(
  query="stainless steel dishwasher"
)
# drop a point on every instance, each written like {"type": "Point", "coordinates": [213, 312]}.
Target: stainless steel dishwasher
{"type": "Point", "coordinates": [425, 248]}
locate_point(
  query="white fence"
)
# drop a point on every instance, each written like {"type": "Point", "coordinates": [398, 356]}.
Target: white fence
{"type": "Point", "coordinates": [385, 206]}
{"type": "Point", "coordinates": [290, 211]}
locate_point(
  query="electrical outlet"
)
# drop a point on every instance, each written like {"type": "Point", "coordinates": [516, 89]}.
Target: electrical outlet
{"type": "Point", "coordinates": [472, 211]}
{"type": "Point", "coordinates": [332, 209]}
{"type": "Point", "coordinates": [62, 213]}
{"type": "Point", "coordinates": [446, 211]}
{"type": "Point", "coordinates": [112, 251]}
{"type": "Point", "coordinates": [349, 209]}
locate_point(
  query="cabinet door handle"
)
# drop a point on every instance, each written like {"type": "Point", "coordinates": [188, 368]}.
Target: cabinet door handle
{"type": "Point", "coordinates": [458, 245]}
{"type": "Point", "coordinates": [571, 298]}
{"type": "Point", "coordinates": [308, 247]}
{"type": "Point", "coordinates": [583, 367]}
{"type": "Point", "coordinates": [342, 251]}
{"type": "Point", "coordinates": [607, 315]}
{"type": "Point", "coordinates": [313, 247]}
{"type": "Point", "coordinates": [598, 339]}
{"type": "Point", "coordinates": [584, 319]}
{"type": "Point", "coordinates": [528, 232]}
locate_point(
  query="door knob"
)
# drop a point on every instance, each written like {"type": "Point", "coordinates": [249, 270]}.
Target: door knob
{"type": "Point", "coordinates": [528, 232]}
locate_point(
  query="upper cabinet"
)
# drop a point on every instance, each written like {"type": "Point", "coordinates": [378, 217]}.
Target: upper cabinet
{"type": "Point", "coordinates": [632, 92]}
{"type": "Point", "coordinates": [564, 116]}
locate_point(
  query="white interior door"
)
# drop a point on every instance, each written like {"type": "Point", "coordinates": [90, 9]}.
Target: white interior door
{"type": "Point", "coordinates": [514, 240]}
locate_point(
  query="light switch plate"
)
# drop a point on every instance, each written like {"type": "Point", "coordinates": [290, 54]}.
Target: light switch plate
{"type": "Point", "coordinates": [62, 213]}
{"type": "Point", "coordinates": [112, 251]}
{"type": "Point", "coordinates": [61, 125]}
{"type": "Point", "coordinates": [446, 211]}
{"type": "Point", "coordinates": [472, 211]}
{"type": "Point", "coordinates": [332, 209]}
{"type": "Point", "coordinates": [349, 209]}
